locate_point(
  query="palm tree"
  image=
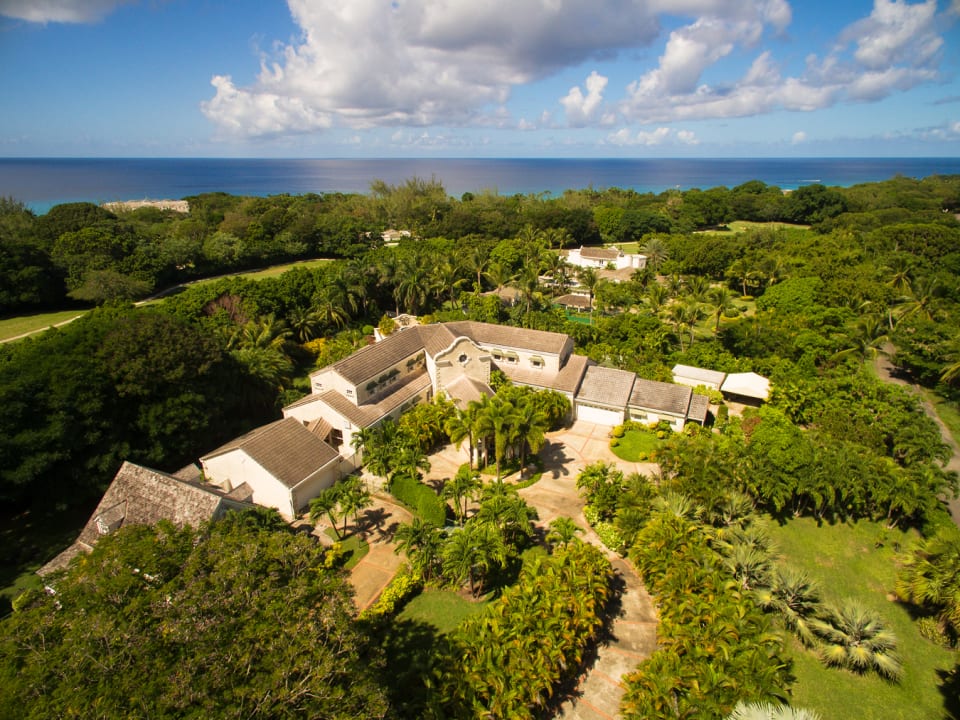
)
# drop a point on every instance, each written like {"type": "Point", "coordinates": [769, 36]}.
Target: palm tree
{"type": "Point", "coordinates": [421, 542]}
{"type": "Point", "coordinates": [796, 597]}
{"type": "Point", "coordinates": [499, 274]}
{"type": "Point", "coordinates": [563, 531]}
{"type": "Point", "coordinates": [854, 638]}
{"type": "Point", "coordinates": [462, 488]}
{"type": "Point", "coordinates": [305, 324]}
{"type": "Point", "coordinates": [528, 283]}
{"type": "Point", "coordinates": [765, 711]}
{"type": "Point", "coordinates": [657, 296]}
{"type": "Point", "coordinates": [329, 307]}
{"type": "Point", "coordinates": [531, 425]}
{"type": "Point", "coordinates": [656, 252]}
{"type": "Point", "coordinates": [326, 503]}
{"type": "Point", "coordinates": [719, 299]}
{"type": "Point", "coordinates": [923, 300]}
{"type": "Point", "coordinates": [867, 339]}
{"type": "Point", "coordinates": [588, 278]}
{"type": "Point", "coordinates": [930, 579]}
{"type": "Point", "coordinates": [497, 420]}
{"type": "Point", "coordinates": [697, 288]}
{"type": "Point", "coordinates": [472, 551]}
{"type": "Point", "coordinates": [475, 262]}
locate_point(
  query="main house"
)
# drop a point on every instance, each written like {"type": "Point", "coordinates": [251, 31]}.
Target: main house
{"type": "Point", "coordinates": [417, 363]}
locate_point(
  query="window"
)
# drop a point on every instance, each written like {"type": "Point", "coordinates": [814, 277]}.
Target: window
{"type": "Point", "coordinates": [462, 359]}
{"type": "Point", "coordinates": [536, 361]}
{"type": "Point", "coordinates": [511, 357]}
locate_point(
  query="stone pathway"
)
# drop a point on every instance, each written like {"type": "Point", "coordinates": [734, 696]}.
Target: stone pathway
{"type": "Point", "coordinates": [887, 372]}
{"type": "Point", "coordinates": [631, 635]}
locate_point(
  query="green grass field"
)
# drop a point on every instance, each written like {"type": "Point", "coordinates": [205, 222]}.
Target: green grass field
{"type": "Point", "coordinates": [741, 226]}
{"type": "Point", "coordinates": [12, 327]}
{"type": "Point", "coordinates": [859, 560]}
{"type": "Point", "coordinates": [634, 443]}
{"type": "Point", "coordinates": [443, 609]}
{"type": "Point", "coordinates": [354, 548]}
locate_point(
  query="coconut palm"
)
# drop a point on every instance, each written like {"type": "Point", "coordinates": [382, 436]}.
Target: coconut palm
{"type": "Point", "coordinates": [720, 301]}
{"type": "Point", "coordinates": [656, 252]}
{"type": "Point", "coordinates": [531, 425]}
{"type": "Point", "coordinates": [563, 531]}
{"type": "Point", "coordinates": [496, 420]}
{"type": "Point", "coordinates": [855, 638]}
{"type": "Point", "coordinates": [471, 552]}
{"type": "Point", "coordinates": [421, 542]}
{"type": "Point", "coordinates": [462, 488]}
{"type": "Point", "coordinates": [326, 503]}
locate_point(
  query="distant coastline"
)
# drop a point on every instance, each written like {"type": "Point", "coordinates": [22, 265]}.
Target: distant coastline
{"type": "Point", "coordinates": [43, 182]}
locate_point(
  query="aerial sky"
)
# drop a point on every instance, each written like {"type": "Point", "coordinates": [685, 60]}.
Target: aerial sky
{"type": "Point", "coordinates": [479, 78]}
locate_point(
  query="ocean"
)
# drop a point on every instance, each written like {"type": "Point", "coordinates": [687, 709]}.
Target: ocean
{"type": "Point", "coordinates": [43, 183]}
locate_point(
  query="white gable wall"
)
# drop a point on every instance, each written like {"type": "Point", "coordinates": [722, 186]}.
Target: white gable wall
{"type": "Point", "coordinates": [235, 467]}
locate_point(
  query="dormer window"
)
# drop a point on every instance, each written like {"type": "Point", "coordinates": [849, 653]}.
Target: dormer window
{"type": "Point", "coordinates": [536, 361]}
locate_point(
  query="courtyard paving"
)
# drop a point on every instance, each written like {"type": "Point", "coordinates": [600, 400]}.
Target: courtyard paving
{"type": "Point", "coordinates": [630, 635]}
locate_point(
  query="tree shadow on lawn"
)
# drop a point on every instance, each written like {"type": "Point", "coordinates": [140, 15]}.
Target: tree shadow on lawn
{"type": "Point", "coordinates": [409, 647]}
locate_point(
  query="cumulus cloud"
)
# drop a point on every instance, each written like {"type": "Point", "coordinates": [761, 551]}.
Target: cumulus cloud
{"type": "Point", "coordinates": [420, 63]}
{"type": "Point", "coordinates": [798, 137]}
{"type": "Point", "coordinates": [58, 11]}
{"type": "Point", "coordinates": [426, 61]}
{"type": "Point", "coordinates": [660, 136]}
{"type": "Point", "coordinates": [581, 108]}
{"type": "Point", "coordinates": [894, 49]}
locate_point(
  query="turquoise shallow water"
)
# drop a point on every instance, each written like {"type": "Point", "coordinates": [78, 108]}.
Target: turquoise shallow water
{"type": "Point", "coordinates": [42, 183]}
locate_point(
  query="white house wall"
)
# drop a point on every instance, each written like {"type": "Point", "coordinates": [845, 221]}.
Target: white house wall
{"type": "Point", "coordinates": [232, 469]}
{"type": "Point", "coordinates": [324, 478]}
{"type": "Point", "coordinates": [598, 415]}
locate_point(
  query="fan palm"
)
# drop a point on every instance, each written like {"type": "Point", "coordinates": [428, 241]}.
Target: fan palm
{"type": "Point", "coordinates": [855, 638]}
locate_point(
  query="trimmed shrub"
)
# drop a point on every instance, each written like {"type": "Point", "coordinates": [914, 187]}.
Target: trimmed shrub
{"type": "Point", "coordinates": [405, 585]}
{"type": "Point", "coordinates": [420, 499]}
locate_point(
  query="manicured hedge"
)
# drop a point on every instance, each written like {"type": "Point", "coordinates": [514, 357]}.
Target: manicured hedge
{"type": "Point", "coordinates": [420, 499]}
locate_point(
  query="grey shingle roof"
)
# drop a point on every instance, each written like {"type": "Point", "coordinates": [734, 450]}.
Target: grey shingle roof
{"type": "Point", "coordinates": [505, 336]}
{"type": "Point", "coordinates": [367, 414]}
{"type": "Point", "coordinates": [565, 381]}
{"type": "Point", "coordinates": [699, 374]}
{"type": "Point", "coordinates": [373, 359]}
{"type": "Point", "coordinates": [285, 449]}
{"type": "Point", "coordinates": [141, 496]}
{"type": "Point", "coordinates": [663, 397]}
{"type": "Point", "coordinates": [606, 386]}
{"type": "Point", "coordinates": [595, 253]}
{"type": "Point", "coordinates": [699, 407]}
{"type": "Point", "coordinates": [571, 300]}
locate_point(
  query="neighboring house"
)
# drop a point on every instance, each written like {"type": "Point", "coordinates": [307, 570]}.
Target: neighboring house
{"type": "Point", "coordinates": [414, 365]}
{"type": "Point", "coordinates": [600, 258]}
{"type": "Point", "coordinates": [695, 377]}
{"type": "Point", "coordinates": [393, 237]}
{"type": "Point", "coordinates": [284, 465]}
{"type": "Point", "coordinates": [141, 496]}
{"type": "Point", "coordinates": [653, 401]}
{"type": "Point", "coordinates": [573, 301]}
{"type": "Point", "coordinates": [745, 388]}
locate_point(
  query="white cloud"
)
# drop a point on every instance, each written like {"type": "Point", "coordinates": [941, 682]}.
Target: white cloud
{"type": "Point", "coordinates": [426, 61]}
{"type": "Point", "coordinates": [798, 137]}
{"type": "Point", "coordinates": [895, 48]}
{"type": "Point", "coordinates": [895, 32]}
{"type": "Point", "coordinates": [59, 11]}
{"type": "Point", "coordinates": [649, 138]}
{"type": "Point", "coordinates": [580, 108]}
{"type": "Point", "coordinates": [419, 63]}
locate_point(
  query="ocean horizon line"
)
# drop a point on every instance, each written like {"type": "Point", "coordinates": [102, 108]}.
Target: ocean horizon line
{"type": "Point", "coordinates": [42, 182]}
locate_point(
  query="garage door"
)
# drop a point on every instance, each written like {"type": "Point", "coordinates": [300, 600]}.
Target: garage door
{"type": "Point", "coordinates": [600, 416]}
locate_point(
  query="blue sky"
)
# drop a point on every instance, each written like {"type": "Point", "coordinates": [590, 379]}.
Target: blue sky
{"type": "Point", "coordinates": [498, 78]}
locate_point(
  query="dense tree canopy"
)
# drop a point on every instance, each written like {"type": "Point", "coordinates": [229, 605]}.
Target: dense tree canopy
{"type": "Point", "coordinates": [239, 618]}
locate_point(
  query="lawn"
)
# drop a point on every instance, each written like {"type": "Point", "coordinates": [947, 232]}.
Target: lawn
{"type": "Point", "coordinates": [12, 327]}
{"type": "Point", "coordinates": [741, 226]}
{"type": "Point", "coordinates": [442, 609]}
{"type": "Point", "coordinates": [354, 548]}
{"type": "Point", "coordinates": [858, 560]}
{"type": "Point", "coordinates": [634, 443]}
